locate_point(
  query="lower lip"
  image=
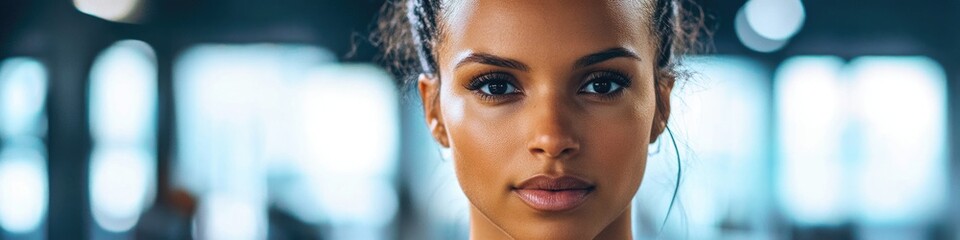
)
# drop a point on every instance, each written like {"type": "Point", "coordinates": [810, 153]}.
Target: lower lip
{"type": "Point", "coordinates": [553, 201]}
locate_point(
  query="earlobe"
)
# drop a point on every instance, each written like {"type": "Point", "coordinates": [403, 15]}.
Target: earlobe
{"type": "Point", "coordinates": [658, 127]}
{"type": "Point", "coordinates": [662, 115]}
{"type": "Point", "coordinates": [440, 133]}
{"type": "Point", "coordinates": [429, 88]}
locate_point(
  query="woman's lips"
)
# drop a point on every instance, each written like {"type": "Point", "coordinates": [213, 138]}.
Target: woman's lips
{"type": "Point", "coordinates": [553, 194]}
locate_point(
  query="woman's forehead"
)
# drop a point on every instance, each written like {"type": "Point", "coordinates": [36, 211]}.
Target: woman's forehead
{"type": "Point", "coordinates": [559, 31]}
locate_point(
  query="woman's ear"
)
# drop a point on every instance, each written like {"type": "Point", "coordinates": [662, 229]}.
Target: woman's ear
{"type": "Point", "coordinates": [664, 84]}
{"type": "Point", "coordinates": [429, 88]}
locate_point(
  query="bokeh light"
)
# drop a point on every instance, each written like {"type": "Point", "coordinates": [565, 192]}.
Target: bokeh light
{"type": "Point", "coordinates": [775, 19]}
{"type": "Point", "coordinates": [23, 88]}
{"type": "Point", "coordinates": [123, 110]}
{"type": "Point", "coordinates": [810, 121]}
{"type": "Point", "coordinates": [23, 188]}
{"type": "Point", "coordinates": [901, 112]}
{"type": "Point", "coordinates": [23, 169]}
{"type": "Point", "coordinates": [357, 141]}
{"type": "Point", "coordinates": [113, 10]}
{"type": "Point", "coordinates": [753, 40]}
{"type": "Point", "coordinates": [120, 183]}
{"type": "Point", "coordinates": [123, 94]}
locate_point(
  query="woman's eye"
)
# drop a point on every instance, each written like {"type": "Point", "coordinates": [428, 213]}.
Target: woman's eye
{"type": "Point", "coordinates": [498, 88]}
{"type": "Point", "coordinates": [493, 84]}
{"type": "Point", "coordinates": [605, 83]}
{"type": "Point", "coordinates": [602, 86]}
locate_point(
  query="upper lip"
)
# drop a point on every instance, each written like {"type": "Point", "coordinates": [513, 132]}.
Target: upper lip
{"type": "Point", "coordinates": [551, 183]}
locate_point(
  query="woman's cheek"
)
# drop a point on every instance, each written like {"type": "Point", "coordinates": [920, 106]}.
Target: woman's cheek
{"type": "Point", "coordinates": [622, 147]}
{"type": "Point", "coordinates": [482, 144]}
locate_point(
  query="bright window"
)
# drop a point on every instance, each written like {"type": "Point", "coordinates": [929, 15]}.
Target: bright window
{"type": "Point", "coordinates": [266, 125]}
{"type": "Point", "coordinates": [901, 114]}
{"type": "Point", "coordinates": [863, 141]}
{"type": "Point", "coordinates": [811, 124]}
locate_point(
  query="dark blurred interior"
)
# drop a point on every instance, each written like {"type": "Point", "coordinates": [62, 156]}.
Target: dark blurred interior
{"type": "Point", "coordinates": [67, 42]}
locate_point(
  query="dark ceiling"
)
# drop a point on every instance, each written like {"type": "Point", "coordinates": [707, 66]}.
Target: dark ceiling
{"type": "Point", "coordinates": [840, 27]}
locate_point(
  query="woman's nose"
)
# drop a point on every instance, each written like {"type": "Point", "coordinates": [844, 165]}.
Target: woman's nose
{"type": "Point", "coordinates": [553, 131]}
{"type": "Point", "coordinates": [554, 146]}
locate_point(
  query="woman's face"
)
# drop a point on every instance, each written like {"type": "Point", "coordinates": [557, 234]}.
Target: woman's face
{"type": "Point", "coordinates": [548, 108]}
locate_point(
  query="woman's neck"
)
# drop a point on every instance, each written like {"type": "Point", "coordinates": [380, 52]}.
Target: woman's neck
{"type": "Point", "coordinates": [482, 228]}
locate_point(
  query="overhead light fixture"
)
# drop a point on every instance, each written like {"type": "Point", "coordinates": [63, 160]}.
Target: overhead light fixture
{"type": "Point", "coordinates": [775, 19]}
{"type": "Point", "coordinates": [126, 11]}
{"type": "Point", "coordinates": [753, 40]}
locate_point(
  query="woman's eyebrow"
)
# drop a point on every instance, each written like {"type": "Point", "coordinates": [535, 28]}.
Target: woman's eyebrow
{"type": "Point", "coordinates": [605, 55]}
{"type": "Point", "coordinates": [490, 59]}
{"type": "Point", "coordinates": [594, 58]}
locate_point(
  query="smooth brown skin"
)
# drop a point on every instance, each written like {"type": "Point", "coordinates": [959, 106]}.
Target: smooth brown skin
{"type": "Point", "coordinates": [550, 127]}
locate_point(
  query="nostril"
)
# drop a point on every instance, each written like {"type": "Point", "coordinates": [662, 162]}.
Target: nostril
{"type": "Point", "coordinates": [554, 153]}
{"type": "Point", "coordinates": [554, 144]}
{"type": "Point", "coordinates": [567, 151]}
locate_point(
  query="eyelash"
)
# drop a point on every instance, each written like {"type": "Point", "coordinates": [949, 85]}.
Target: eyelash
{"type": "Point", "coordinates": [482, 80]}
{"type": "Point", "coordinates": [614, 76]}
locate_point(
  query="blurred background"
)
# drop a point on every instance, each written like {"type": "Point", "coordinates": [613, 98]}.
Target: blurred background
{"type": "Point", "coordinates": [271, 119]}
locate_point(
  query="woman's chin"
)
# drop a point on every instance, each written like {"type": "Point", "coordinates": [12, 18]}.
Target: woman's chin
{"type": "Point", "coordinates": [554, 230]}
{"type": "Point", "coordinates": [551, 225]}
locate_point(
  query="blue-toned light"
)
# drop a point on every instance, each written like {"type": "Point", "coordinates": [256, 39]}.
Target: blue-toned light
{"type": "Point", "coordinates": [358, 202]}
{"type": "Point", "coordinates": [123, 94]}
{"type": "Point", "coordinates": [811, 122]}
{"type": "Point", "coordinates": [239, 127]}
{"type": "Point", "coordinates": [231, 217]}
{"type": "Point", "coordinates": [775, 19]}
{"type": "Point", "coordinates": [121, 185]}
{"type": "Point", "coordinates": [351, 120]}
{"type": "Point", "coordinates": [23, 88]}
{"type": "Point", "coordinates": [900, 107]}
{"type": "Point", "coordinates": [123, 112]}
{"type": "Point", "coordinates": [350, 123]}
{"type": "Point", "coordinates": [23, 187]}
{"type": "Point", "coordinates": [23, 171]}
{"type": "Point", "coordinates": [236, 111]}
{"type": "Point", "coordinates": [753, 40]}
